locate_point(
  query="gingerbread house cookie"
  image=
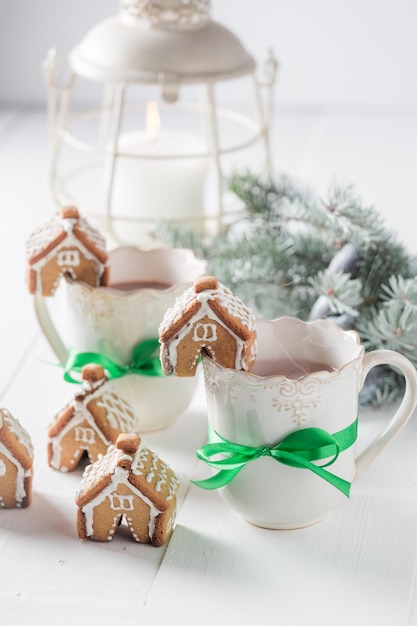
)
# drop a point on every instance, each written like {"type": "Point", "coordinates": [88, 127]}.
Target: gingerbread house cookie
{"type": "Point", "coordinates": [208, 317]}
{"type": "Point", "coordinates": [129, 483]}
{"type": "Point", "coordinates": [16, 461]}
{"type": "Point", "coordinates": [90, 422]}
{"type": "Point", "coordinates": [66, 245]}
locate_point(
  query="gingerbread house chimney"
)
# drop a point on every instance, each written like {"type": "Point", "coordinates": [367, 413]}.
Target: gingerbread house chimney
{"type": "Point", "coordinates": [129, 444]}
{"type": "Point", "coordinates": [204, 283]}
{"type": "Point", "coordinates": [69, 212]}
{"type": "Point", "coordinates": [93, 373]}
{"type": "Point", "coordinates": [93, 376]}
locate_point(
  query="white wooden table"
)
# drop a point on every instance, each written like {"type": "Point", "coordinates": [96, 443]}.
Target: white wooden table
{"type": "Point", "coordinates": [358, 566]}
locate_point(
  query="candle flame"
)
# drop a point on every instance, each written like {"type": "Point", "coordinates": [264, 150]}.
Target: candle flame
{"type": "Point", "coordinates": [153, 120]}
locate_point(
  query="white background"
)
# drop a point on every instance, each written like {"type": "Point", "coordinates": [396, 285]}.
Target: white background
{"type": "Point", "coordinates": [338, 52]}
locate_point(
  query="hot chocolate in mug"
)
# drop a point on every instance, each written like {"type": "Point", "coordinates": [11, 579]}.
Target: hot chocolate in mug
{"type": "Point", "coordinates": [282, 437]}
{"type": "Point", "coordinates": [124, 317]}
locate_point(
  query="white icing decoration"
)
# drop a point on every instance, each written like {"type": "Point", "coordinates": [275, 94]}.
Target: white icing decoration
{"type": "Point", "coordinates": [138, 466]}
{"type": "Point", "coordinates": [80, 415]}
{"type": "Point", "coordinates": [119, 412]}
{"type": "Point", "coordinates": [231, 303]}
{"type": "Point", "coordinates": [45, 232]}
{"type": "Point", "coordinates": [119, 477]}
{"type": "Point", "coordinates": [162, 478]}
{"type": "Point", "coordinates": [84, 435]}
{"type": "Point", "coordinates": [20, 491]}
{"type": "Point", "coordinates": [171, 521]}
{"type": "Point", "coordinates": [205, 332]}
{"type": "Point", "coordinates": [2, 468]}
{"type": "Point", "coordinates": [153, 469]}
{"type": "Point", "coordinates": [13, 426]}
{"type": "Point", "coordinates": [121, 502]}
{"type": "Point", "coordinates": [50, 231]}
{"type": "Point", "coordinates": [92, 234]}
{"type": "Point", "coordinates": [107, 465]}
{"type": "Point", "coordinates": [67, 258]}
{"type": "Point", "coordinates": [119, 416]}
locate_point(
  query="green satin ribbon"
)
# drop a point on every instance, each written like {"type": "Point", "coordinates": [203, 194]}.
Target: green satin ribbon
{"type": "Point", "coordinates": [144, 362]}
{"type": "Point", "coordinates": [298, 449]}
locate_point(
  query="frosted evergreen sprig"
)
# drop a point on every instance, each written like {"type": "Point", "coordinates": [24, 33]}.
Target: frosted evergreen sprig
{"type": "Point", "coordinates": [342, 293]}
{"type": "Point", "coordinates": [296, 254]}
{"type": "Point", "coordinates": [384, 388]}
{"type": "Point", "coordinates": [393, 326]}
{"type": "Point", "coordinates": [357, 223]}
{"type": "Point", "coordinates": [401, 289]}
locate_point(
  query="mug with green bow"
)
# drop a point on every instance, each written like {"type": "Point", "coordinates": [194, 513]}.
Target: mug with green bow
{"type": "Point", "coordinates": [281, 440]}
{"type": "Point", "coordinates": [117, 327]}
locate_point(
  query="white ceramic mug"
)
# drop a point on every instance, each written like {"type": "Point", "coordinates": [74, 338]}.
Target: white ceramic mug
{"type": "Point", "coordinates": [112, 320]}
{"type": "Point", "coordinates": [261, 411]}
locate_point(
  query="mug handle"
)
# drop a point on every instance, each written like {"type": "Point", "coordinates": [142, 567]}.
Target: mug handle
{"type": "Point", "coordinates": [49, 329]}
{"type": "Point", "coordinates": [404, 411]}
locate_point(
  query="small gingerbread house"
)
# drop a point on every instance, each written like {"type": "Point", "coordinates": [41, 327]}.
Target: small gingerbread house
{"type": "Point", "coordinates": [16, 461]}
{"type": "Point", "coordinates": [129, 483]}
{"type": "Point", "coordinates": [66, 245]}
{"type": "Point", "coordinates": [208, 317]}
{"type": "Point", "coordinates": [90, 423]}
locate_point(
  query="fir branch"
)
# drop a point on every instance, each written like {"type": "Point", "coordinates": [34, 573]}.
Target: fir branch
{"type": "Point", "coordinates": [394, 327]}
{"type": "Point", "coordinates": [359, 224]}
{"type": "Point", "coordinates": [179, 236]}
{"type": "Point", "coordinates": [296, 254]}
{"type": "Point", "coordinates": [400, 289]}
{"type": "Point", "coordinates": [379, 262]}
{"type": "Point", "coordinates": [382, 386]}
{"type": "Point", "coordinates": [342, 293]}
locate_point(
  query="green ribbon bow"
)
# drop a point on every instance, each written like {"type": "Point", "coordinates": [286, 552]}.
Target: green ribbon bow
{"type": "Point", "coordinates": [298, 449]}
{"type": "Point", "coordinates": [144, 362]}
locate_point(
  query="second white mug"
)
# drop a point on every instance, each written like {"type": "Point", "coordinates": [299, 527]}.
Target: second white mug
{"type": "Point", "coordinates": [112, 321]}
{"type": "Point", "coordinates": [282, 437]}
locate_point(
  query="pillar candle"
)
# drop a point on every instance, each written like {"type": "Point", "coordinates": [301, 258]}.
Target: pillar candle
{"type": "Point", "coordinates": [155, 188]}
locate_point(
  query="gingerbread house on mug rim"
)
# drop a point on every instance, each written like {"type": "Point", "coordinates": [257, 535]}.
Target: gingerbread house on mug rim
{"type": "Point", "coordinates": [67, 244]}
{"type": "Point", "coordinates": [132, 483]}
{"type": "Point", "coordinates": [90, 423]}
{"type": "Point", "coordinates": [16, 461]}
{"type": "Point", "coordinates": [209, 317]}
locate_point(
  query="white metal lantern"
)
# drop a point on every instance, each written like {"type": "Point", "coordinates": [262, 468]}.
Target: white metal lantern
{"type": "Point", "coordinates": [124, 174]}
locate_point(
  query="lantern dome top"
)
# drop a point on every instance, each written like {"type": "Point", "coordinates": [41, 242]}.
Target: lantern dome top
{"type": "Point", "coordinates": [173, 12]}
{"type": "Point", "coordinates": [150, 41]}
